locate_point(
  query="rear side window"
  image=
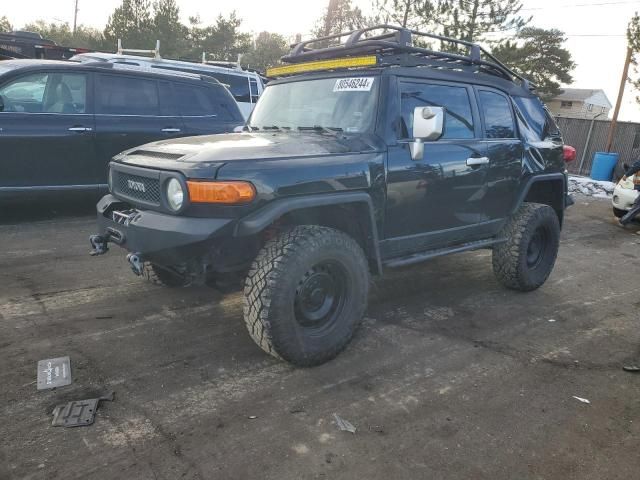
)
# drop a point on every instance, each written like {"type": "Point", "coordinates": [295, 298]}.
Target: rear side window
{"type": "Point", "coordinates": [122, 95]}
{"type": "Point", "coordinates": [455, 100]}
{"type": "Point", "coordinates": [498, 117]}
{"type": "Point", "coordinates": [195, 101]}
{"type": "Point", "coordinates": [238, 85]}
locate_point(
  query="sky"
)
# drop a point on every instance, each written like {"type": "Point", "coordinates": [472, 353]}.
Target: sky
{"type": "Point", "coordinates": [595, 28]}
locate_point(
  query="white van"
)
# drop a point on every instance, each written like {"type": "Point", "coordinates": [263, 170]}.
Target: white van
{"type": "Point", "coordinates": [245, 85]}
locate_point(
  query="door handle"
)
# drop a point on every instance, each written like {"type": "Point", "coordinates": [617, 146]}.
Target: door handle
{"type": "Point", "coordinates": [80, 129]}
{"type": "Point", "coordinates": [475, 161]}
{"type": "Point", "coordinates": [171, 130]}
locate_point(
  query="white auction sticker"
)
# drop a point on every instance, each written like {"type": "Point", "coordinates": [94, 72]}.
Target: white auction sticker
{"type": "Point", "coordinates": [361, 84]}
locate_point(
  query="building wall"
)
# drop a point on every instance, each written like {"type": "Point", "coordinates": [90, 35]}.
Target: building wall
{"type": "Point", "coordinates": [578, 109]}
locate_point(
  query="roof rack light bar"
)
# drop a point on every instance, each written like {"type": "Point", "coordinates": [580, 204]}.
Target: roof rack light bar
{"type": "Point", "coordinates": [396, 40]}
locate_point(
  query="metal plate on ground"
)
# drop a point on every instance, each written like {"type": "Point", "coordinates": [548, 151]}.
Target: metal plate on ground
{"type": "Point", "coordinates": [54, 372]}
{"type": "Point", "coordinates": [77, 413]}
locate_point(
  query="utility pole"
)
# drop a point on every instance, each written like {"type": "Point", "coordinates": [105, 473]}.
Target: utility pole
{"type": "Point", "coordinates": [75, 17]}
{"type": "Point", "coordinates": [623, 83]}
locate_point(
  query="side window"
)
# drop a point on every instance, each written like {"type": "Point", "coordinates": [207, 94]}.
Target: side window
{"type": "Point", "coordinates": [238, 85]}
{"type": "Point", "coordinates": [498, 117]}
{"type": "Point", "coordinates": [167, 101]}
{"type": "Point", "coordinates": [195, 101]}
{"type": "Point", "coordinates": [25, 94]}
{"type": "Point", "coordinates": [253, 86]}
{"type": "Point", "coordinates": [46, 93]}
{"type": "Point", "coordinates": [455, 100]}
{"type": "Point", "coordinates": [122, 95]}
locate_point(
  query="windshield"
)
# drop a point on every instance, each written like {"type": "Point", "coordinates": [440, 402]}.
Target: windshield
{"type": "Point", "coordinates": [338, 104]}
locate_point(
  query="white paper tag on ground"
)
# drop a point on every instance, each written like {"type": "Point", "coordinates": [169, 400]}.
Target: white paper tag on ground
{"type": "Point", "coordinates": [359, 84]}
{"type": "Point", "coordinates": [54, 372]}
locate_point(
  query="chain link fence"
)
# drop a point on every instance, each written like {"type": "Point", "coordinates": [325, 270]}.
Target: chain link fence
{"type": "Point", "coordinates": [590, 136]}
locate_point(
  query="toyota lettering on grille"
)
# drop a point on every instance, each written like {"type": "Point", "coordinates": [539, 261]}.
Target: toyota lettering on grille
{"type": "Point", "coordinates": [136, 186]}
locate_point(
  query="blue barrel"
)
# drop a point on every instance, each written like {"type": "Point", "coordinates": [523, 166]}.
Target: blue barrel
{"type": "Point", "coordinates": [603, 165]}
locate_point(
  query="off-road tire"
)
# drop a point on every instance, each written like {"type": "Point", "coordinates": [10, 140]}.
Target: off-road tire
{"type": "Point", "coordinates": [514, 264]}
{"type": "Point", "coordinates": [273, 288]}
{"type": "Point", "coordinates": [159, 276]}
{"type": "Point", "coordinates": [619, 213]}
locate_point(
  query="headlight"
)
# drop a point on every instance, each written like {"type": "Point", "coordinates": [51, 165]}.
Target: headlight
{"type": "Point", "coordinates": [175, 194]}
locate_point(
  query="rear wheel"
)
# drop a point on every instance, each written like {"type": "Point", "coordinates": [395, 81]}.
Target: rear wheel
{"type": "Point", "coordinates": [161, 276]}
{"type": "Point", "coordinates": [306, 293]}
{"type": "Point", "coordinates": [525, 260]}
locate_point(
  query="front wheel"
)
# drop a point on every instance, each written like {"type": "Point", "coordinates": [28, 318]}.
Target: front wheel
{"type": "Point", "coordinates": [306, 293]}
{"type": "Point", "coordinates": [619, 213]}
{"type": "Point", "coordinates": [525, 260]}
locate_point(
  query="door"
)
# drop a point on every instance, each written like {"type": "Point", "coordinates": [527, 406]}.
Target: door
{"type": "Point", "coordinates": [437, 200]}
{"type": "Point", "coordinates": [504, 150]}
{"type": "Point", "coordinates": [46, 132]}
{"type": "Point", "coordinates": [129, 113]}
{"type": "Point", "coordinates": [206, 109]}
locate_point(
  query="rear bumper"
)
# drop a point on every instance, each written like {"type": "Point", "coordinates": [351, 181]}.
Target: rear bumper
{"type": "Point", "coordinates": [162, 238]}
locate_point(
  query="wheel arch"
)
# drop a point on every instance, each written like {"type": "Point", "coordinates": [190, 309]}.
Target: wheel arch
{"type": "Point", "coordinates": [548, 189]}
{"type": "Point", "coordinates": [350, 212]}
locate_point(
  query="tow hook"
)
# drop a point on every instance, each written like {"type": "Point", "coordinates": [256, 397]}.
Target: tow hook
{"type": "Point", "coordinates": [99, 244]}
{"type": "Point", "coordinates": [136, 263]}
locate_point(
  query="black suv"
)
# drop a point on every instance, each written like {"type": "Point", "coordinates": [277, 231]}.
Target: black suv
{"type": "Point", "coordinates": [380, 154]}
{"type": "Point", "coordinates": [62, 122]}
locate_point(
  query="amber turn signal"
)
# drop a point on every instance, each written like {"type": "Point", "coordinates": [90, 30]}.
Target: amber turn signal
{"type": "Point", "coordinates": [221, 192]}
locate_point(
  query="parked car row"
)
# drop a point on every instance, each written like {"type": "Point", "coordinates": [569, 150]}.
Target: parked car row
{"type": "Point", "coordinates": [62, 122]}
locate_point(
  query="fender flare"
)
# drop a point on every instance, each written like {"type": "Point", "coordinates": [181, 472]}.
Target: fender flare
{"type": "Point", "coordinates": [546, 177]}
{"type": "Point", "coordinates": [259, 220]}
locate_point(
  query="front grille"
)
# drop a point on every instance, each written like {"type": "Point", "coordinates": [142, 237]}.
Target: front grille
{"type": "Point", "coordinates": [137, 187]}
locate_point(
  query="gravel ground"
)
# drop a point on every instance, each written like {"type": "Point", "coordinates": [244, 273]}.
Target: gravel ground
{"type": "Point", "coordinates": [450, 377]}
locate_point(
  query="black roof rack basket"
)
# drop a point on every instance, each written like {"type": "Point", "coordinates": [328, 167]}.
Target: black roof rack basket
{"type": "Point", "coordinates": [395, 46]}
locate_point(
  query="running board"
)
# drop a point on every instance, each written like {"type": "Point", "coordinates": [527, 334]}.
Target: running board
{"type": "Point", "coordinates": [439, 252]}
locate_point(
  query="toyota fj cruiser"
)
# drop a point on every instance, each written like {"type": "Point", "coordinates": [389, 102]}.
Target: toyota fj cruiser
{"type": "Point", "coordinates": [361, 155]}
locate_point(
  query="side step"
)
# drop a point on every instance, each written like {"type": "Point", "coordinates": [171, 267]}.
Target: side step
{"type": "Point", "coordinates": [439, 252]}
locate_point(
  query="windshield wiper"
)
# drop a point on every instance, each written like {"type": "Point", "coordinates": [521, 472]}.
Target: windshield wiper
{"type": "Point", "coordinates": [318, 128]}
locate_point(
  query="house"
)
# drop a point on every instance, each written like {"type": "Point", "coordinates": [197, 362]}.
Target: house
{"type": "Point", "coordinates": [580, 103]}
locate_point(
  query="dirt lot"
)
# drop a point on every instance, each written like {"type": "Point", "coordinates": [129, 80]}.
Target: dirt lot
{"type": "Point", "coordinates": [451, 376]}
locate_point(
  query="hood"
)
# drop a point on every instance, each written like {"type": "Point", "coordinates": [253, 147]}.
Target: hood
{"type": "Point", "coordinates": [218, 149]}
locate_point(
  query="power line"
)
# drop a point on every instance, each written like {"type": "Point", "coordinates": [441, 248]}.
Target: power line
{"type": "Point", "coordinates": [581, 5]}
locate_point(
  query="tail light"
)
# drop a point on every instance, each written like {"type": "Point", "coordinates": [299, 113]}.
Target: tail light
{"type": "Point", "coordinates": [568, 153]}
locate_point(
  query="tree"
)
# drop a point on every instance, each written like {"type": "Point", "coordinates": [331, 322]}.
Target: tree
{"type": "Point", "coordinates": [633, 37]}
{"type": "Point", "coordinates": [5, 25]}
{"type": "Point", "coordinates": [267, 50]}
{"type": "Point", "coordinates": [168, 29]}
{"type": "Point", "coordinates": [222, 41]}
{"type": "Point", "coordinates": [471, 20]}
{"type": "Point", "coordinates": [132, 23]}
{"type": "Point", "coordinates": [61, 33]}
{"type": "Point", "coordinates": [539, 55]}
{"type": "Point", "coordinates": [340, 16]}
{"type": "Point", "coordinates": [414, 14]}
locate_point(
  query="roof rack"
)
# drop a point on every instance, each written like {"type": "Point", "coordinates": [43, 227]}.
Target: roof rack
{"type": "Point", "coordinates": [395, 46]}
{"type": "Point", "coordinates": [155, 52]}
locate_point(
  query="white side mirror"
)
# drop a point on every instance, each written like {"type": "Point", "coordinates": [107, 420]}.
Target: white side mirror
{"type": "Point", "coordinates": [428, 125]}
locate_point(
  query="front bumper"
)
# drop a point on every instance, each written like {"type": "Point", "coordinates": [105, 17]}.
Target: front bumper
{"type": "Point", "coordinates": [624, 198]}
{"type": "Point", "coordinates": [158, 237]}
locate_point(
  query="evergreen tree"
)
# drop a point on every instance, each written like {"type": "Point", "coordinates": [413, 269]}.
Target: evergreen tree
{"type": "Point", "coordinates": [633, 37]}
{"type": "Point", "coordinates": [132, 23]}
{"type": "Point", "coordinates": [168, 29]}
{"type": "Point", "coordinates": [5, 25]}
{"type": "Point", "coordinates": [221, 41]}
{"type": "Point", "coordinates": [539, 55]}
{"type": "Point", "coordinates": [340, 16]}
{"type": "Point", "coordinates": [61, 33]}
{"type": "Point", "coordinates": [267, 50]}
{"type": "Point", "coordinates": [471, 20]}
